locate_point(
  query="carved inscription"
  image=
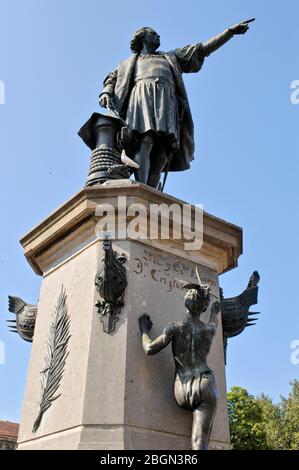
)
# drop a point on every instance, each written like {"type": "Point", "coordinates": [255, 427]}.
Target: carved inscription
{"type": "Point", "coordinates": [171, 274]}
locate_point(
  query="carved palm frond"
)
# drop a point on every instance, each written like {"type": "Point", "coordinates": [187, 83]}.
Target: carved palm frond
{"type": "Point", "coordinates": [55, 357]}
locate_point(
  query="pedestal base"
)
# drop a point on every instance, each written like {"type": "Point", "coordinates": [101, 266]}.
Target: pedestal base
{"type": "Point", "coordinates": [113, 396]}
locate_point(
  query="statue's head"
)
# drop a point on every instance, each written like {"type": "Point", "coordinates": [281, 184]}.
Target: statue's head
{"type": "Point", "coordinates": [198, 297]}
{"type": "Point", "coordinates": [197, 300]}
{"type": "Point", "coordinates": [145, 35]}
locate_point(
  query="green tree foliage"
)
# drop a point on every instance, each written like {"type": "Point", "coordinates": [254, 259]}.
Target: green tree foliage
{"type": "Point", "coordinates": [290, 417]}
{"type": "Point", "coordinates": [272, 421]}
{"type": "Point", "coordinates": [258, 423]}
{"type": "Point", "coordinates": [246, 420]}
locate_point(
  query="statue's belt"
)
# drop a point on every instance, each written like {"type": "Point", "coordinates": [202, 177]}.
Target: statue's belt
{"type": "Point", "coordinates": [156, 80]}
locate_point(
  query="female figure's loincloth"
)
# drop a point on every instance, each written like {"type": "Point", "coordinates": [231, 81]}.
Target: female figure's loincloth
{"type": "Point", "coordinates": [192, 392]}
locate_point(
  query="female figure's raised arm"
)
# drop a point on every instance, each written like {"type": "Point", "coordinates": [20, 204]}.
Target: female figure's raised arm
{"type": "Point", "coordinates": [154, 346]}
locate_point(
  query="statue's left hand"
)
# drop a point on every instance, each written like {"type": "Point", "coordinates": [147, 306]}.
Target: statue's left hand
{"type": "Point", "coordinates": [105, 100]}
{"type": "Point", "coordinates": [240, 28]}
{"type": "Point", "coordinates": [145, 323]}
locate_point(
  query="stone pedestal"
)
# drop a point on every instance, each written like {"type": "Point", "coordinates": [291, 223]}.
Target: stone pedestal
{"type": "Point", "coordinates": [113, 396]}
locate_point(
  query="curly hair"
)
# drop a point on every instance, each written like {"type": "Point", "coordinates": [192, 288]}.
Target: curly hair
{"type": "Point", "coordinates": [138, 38]}
{"type": "Point", "coordinates": [198, 297]}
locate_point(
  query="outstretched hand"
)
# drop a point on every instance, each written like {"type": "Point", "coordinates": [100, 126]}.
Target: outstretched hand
{"type": "Point", "coordinates": [240, 28]}
{"type": "Point", "coordinates": [145, 323]}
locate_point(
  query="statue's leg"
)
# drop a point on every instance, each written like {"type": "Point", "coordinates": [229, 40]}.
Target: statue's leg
{"type": "Point", "coordinates": [203, 415]}
{"type": "Point", "coordinates": [201, 428]}
{"type": "Point", "coordinates": [158, 163]}
{"type": "Point", "coordinates": [142, 157]}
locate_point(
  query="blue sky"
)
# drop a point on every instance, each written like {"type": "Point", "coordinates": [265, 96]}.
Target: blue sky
{"type": "Point", "coordinates": [54, 56]}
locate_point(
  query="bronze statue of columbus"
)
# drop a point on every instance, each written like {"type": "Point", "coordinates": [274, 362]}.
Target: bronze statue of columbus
{"type": "Point", "coordinates": [147, 91]}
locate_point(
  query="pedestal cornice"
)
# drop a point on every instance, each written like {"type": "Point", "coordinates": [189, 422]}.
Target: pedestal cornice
{"type": "Point", "coordinates": [72, 226]}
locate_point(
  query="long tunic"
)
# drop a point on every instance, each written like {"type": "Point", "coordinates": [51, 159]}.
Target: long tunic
{"type": "Point", "coordinates": [153, 102]}
{"type": "Point", "coordinates": [183, 60]}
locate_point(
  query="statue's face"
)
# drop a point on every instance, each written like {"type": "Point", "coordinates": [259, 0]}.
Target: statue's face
{"type": "Point", "coordinates": [196, 302]}
{"type": "Point", "coordinates": [152, 39]}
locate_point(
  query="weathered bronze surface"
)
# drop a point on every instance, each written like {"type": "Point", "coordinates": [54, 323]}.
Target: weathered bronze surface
{"type": "Point", "coordinates": [24, 322]}
{"type": "Point", "coordinates": [195, 386]}
{"type": "Point", "coordinates": [148, 93]}
{"type": "Point", "coordinates": [111, 282]}
{"type": "Point", "coordinates": [102, 135]}
{"type": "Point", "coordinates": [235, 310]}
